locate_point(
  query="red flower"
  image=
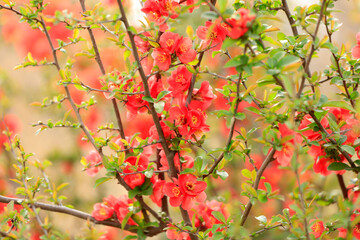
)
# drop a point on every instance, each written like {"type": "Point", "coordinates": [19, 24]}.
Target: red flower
{"type": "Point", "coordinates": [324, 159]}
{"type": "Point", "coordinates": [174, 234]}
{"type": "Point", "coordinates": [317, 228]}
{"type": "Point", "coordinates": [206, 210]}
{"type": "Point", "coordinates": [239, 23]}
{"type": "Point", "coordinates": [122, 209]}
{"type": "Point", "coordinates": [135, 164]}
{"type": "Point", "coordinates": [155, 136]}
{"type": "Point", "coordinates": [135, 104]}
{"type": "Point", "coordinates": [142, 45]}
{"type": "Point", "coordinates": [192, 190]}
{"type": "Point", "coordinates": [213, 33]}
{"type": "Point", "coordinates": [309, 133]}
{"type": "Point", "coordinates": [197, 122]}
{"type": "Point", "coordinates": [162, 58]}
{"type": "Point", "coordinates": [179, 80]}
{"type": "Point", "coordinates": [184, 52]}
{"type": "Point", "coordinates": [356, 50]}
{"type": "Point", "coordinates": [189, 3]}
{"type": "Point", "coordinates": [179, 117]}
{"type": "Point", "coordinates": [9, 123]}
{"type": "Point", "coordinates": [204, 95]}
{"type": "Point", "coordinates": [289, 139]}
{"type": "Point", "coordinates": [102, 212]}
{"type": "Point", "coordinates": [154, 13]}
{"type": "Point", "coordinates": [174, 193]}
{"type": "Point", "coordinates": [169, 8]}
{"type": "Point", "coordinates": [169, 41]}
{"type": "Point", "coordinates": [158, 192]}
{"type": "Point", "coordinates": [188, 162]}
{"type": "Point", "coordinates": [93, 160]}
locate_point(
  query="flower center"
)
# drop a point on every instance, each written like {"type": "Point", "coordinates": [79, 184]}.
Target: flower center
{"type": "Point", "coordinates": [213, 35]}
{"type": "Point", "coordinates": [155, 15]}
{"type": "Point", "coordinates": [176, 191]}
{"type": "Point", "coordinates": [168, 5]}
{"type": "Point", "coordinates": [179, 78]}
{"type": "Point", "coordinates": [194, 120]}
{"type": "Point", "coordinates": [170, 42]}
{"type": "Point", "coordinates": [181, 119]}
{"type": "Point", "coordinates": [184, 48]}
{"type": "Point", "coordinates": [316, 227]}
{"type": "Point", "coordinates": [161, 58]}
{"type": "Point", "coordinates": [102, 211]}
{"type": "Point", "coordinates": [357, 228]}
{"type": "Point", "coordinates": [190, 186]}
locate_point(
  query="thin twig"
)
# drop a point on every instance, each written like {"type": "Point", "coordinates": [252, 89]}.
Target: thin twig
{"type": "Point", "coordinates": [269, 158]}
{"type": "Point", "coordinates": [323, 130]}
{"type": "Point", "coordinates": [266, 229]}
{"type": "Point", "coordinates": [151, 231]}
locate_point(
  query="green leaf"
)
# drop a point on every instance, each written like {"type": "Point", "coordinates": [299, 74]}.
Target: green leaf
{"type": "Point", "coordinates": [222, 174]}
{"type": "Point", "coordinates": [198, 163]}
{"type": "Point", "coordinates": [149, 173]}
{"type": "Point", "coordinates": [125, 220]}
{"type": "Point", "coordinates": [287, 60]}
{"type": "Point", "coordinates": [268, 187]}
{"type": "Point", "coordinates": [219, 216]}
{"type": "Point", "coordinates": [262, 219]}
{"type": "Point", "coordinates": [246, 173]}
{"type": "Point", "coordinates": [159, 106]}
{"type": "Point", "coordinates": [237, 61]}
{"type": "Point", "coordinates": [222, 5]}
{"type": "Point", "coordinates": [340, 104]}
{"type": "Point", "coordinates": [228, 156]}
{"type": "Point", "coordinates": [240, 116]}
{"type": "Point", "coordinates": [162, 94]}
{"type": "Point", "coordinates": [100, 181]}
{"type": "Point", "coordinates": [148, 99]}
{"type": "Point", "coordinates": [348, 149]}
{"type": "Point", "coordinates": [209, 15]}
{"type": "Point", "coordinates": [262, 197]}
{"type": "Point", "coordinates": [337, 166]}
{"type": "Point", "coordinates": [133, 192]}
{"type": "Point", "coordinates": [128, 237]}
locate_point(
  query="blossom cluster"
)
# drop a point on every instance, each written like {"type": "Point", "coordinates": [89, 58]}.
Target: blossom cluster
{"type": "Point", "coordinates": [349, 126]}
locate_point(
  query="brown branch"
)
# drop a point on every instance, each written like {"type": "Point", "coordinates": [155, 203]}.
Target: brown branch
{"type": "Point", "coordinates": [168, 152]}
{"type": "Point", "coordinates": [343, 188]}
{"type": "Point", "coordinates": [232, 128]}
{"type": "Point", "coordinates": [338, 64]}
{"type": "Point", "coordinates": [139, 199]}
{"type": "Point", "coordinates": [151, 231]}
{"type": "Point", "coordinates": [306, 64]}
{"type": "Point", "coordinates": [68, 95]}
{"type": "Point", "coordinates": [164, 201]}
{"type": "Point", "coordinates": [286, 9]}
{"type": "Point", "coordinates": [323, 130]}
{"type": "Point", "coordinates": [266, 229]}
{"type": "Point", "coordinates": [193, 78]}
{"type": "Point", "coordinates": [269, 158]}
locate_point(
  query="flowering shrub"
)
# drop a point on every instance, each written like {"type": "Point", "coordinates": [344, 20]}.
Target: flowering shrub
{"type": "Point", "coordinates": [215, 128]}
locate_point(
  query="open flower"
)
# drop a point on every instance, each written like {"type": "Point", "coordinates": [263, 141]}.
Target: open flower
{"type": "Point", "coordinates": [317, 228]}
{"type": "Point", "coordinates": [192, 189]}
{"type": "Point", "coordinates": [93, 161]}
{"type": "Point", "coordinates": [162, 58]}
{"type": "Point", "coordinates": [102, 212]}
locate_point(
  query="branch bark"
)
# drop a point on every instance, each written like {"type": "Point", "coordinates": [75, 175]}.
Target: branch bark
{"type": "Point", "coordinates": [151, 231]}
{"type": "Point", "coordinates": [269, 158]}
